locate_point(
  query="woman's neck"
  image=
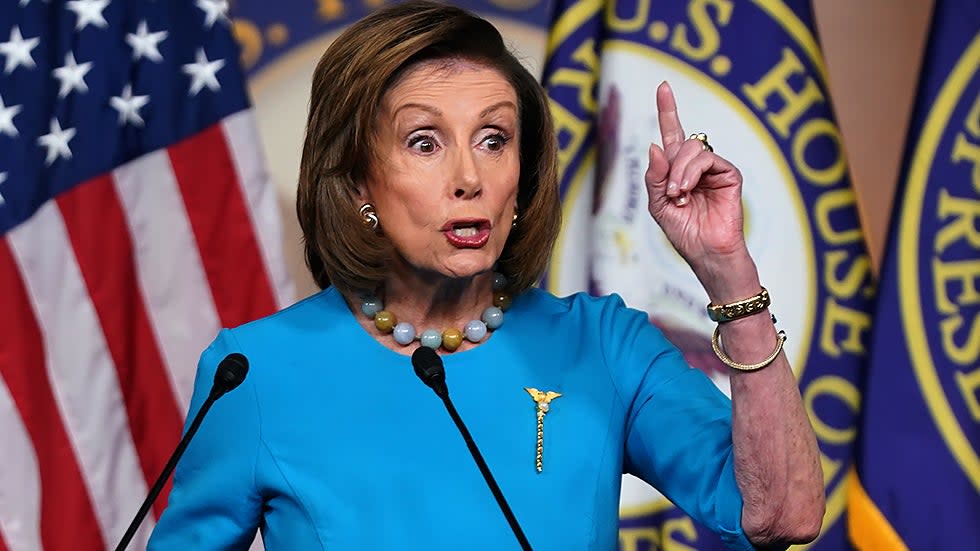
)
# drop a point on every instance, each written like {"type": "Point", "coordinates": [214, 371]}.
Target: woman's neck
{"type": "Point", "coordinates": [428, 303]}
{"type": "Point", "coordinates": [437, 302]}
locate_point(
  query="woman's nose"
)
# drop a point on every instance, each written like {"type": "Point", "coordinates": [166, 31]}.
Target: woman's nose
{"type": "Point", "coordinates": [467, 179]}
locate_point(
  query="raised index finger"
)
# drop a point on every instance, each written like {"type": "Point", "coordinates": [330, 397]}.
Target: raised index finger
{"type": "Point", "coordinates": [671, 131]}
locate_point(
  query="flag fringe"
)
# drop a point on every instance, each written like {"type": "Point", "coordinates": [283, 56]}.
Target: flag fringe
{"type": "Point", "coordinates": [867, 527]}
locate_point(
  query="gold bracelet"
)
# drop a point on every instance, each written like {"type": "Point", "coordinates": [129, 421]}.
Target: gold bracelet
{"type": "Point", "coordinates": [721, 313]}
{"type": "Point", "coordinates": [716, 346]}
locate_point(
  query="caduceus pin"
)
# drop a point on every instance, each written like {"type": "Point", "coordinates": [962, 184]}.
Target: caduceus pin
{"type": "Point", "coordinates": [543, 401]}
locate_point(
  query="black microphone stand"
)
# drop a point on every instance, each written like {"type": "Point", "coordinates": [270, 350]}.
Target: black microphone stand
{"type": "Point", "coordinates": [230, 373]}
{"type": "Point", "coordinates": [485, 471]}
{"type": "Point", "coordinates": [429, 368]}
{"type": "Point", "coordinates": [162, 479]}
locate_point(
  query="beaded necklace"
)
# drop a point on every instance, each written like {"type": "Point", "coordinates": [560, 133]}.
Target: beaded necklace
{"type": "Point", "coordinates": [450, 339]}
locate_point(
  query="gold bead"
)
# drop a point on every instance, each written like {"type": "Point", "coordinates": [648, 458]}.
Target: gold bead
{"type": "Point", "coordinates": [451, 339]}
{"type": "Point", "coordinates": [501, 300]}
{"type": "Point", "coordinates": [385, 321]}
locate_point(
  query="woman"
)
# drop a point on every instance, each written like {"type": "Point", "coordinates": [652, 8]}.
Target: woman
{"type": "Point", "coordinates": [428, 201]}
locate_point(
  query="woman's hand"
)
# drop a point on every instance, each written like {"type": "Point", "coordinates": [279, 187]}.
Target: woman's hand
{"type": "Point", "coordinates": [695, 195]}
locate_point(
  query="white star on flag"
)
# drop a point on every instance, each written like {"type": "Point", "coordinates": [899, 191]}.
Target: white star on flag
{"type": "Point", "coordinates": [129, 106]}
{"type": "Point", "coordinates": [57, 142]}
{"type": "Point", "coordinates": [89, 11]}
{"type": "Point", "coordinates": [26, 2]}
{"type": "Point", "coordinates": [144, 43]}
{"type": "Point", "coordinates": [3, 178]}
{"type": "Point", "coordinates": [203, 72]}
{"type": "Point", "coordinates": [18, 51]}
{"type": "Point", "coordinates": [7, 115]}
{"type": "Point", "coordinates": [213, 10]}
{"type": "Point", "coordinates": [72, 75]}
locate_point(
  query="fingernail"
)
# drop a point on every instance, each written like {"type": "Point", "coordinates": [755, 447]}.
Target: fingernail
{"type": "Point", "coordinates": [685, 184]}
{"type": "Point", "coordinates": [671, 187]}
{"type": "Point", "coordinates": [681, 201]}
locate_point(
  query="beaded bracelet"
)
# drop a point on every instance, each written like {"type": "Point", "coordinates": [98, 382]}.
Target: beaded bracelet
{"type": "Point", "coordinates": [716, 346]}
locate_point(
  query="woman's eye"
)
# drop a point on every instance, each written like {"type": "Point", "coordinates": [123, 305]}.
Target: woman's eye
{"type": "Point", "coordinates": [495, 142]}
{"type": "Point", "coordinates": [423, 144]}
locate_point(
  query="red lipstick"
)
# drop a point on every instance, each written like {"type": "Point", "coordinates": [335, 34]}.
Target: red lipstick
{"type": "Point", "coordinates": [467, 233]}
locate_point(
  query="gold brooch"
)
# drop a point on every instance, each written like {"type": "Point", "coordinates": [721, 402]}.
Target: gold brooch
{"type": "Point", "coordinates": [543, 400]}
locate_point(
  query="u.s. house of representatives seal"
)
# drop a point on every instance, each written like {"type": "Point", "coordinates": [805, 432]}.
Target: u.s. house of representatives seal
{"type": "Point", "coordinates": [937, 262]}
{"type": "Point", "coordinates": [748, 73]}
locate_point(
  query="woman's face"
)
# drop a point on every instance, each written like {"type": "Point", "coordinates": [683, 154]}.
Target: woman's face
{"type": "Point", "coordinates": [444, 177]}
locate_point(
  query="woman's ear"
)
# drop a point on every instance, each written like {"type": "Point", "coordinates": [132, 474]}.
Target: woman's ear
{"type": "Point", "coordinates": [360, 193]}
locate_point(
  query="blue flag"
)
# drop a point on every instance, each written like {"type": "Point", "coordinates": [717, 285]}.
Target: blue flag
{"type": "Point", "coordinates": [751, 76]}
{"type": "Point", "coordinates": [919, 469]}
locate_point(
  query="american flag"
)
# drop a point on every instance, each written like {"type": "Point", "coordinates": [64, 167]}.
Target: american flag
{"type": "Point", "coordinates": [136, 220]}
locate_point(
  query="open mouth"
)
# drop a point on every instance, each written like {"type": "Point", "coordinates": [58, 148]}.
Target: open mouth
{"type": "Point", "coordinates": [467, 233]}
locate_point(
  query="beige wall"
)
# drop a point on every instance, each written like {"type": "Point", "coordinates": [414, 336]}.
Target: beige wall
{"type": "Point", "coordinates": [873, 50]}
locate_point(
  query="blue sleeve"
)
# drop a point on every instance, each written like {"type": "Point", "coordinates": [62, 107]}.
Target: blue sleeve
{"type": "Point", "coordinates": [678, 424]}
{"type": "Point", "coordinates": [214, 503]}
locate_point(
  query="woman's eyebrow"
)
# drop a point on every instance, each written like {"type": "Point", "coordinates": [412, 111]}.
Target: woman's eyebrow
{"type": "Point", "coordinates": [434, 110]}
{"type": "Point", "coordinates": [496, 107]}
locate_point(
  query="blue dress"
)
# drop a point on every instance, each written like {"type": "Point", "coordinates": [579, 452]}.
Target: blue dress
{"type": "Point", "coordinates": [333, 443]}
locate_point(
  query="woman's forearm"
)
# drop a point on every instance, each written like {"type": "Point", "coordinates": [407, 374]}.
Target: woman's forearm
{"type": "Point", "coordinates": [777, 463]}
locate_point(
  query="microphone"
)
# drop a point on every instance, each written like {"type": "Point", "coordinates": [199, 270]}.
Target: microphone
{"type": "Point", "coordinates": [428, 366]}
{"type": "Point", "coordinates": [230, 373]}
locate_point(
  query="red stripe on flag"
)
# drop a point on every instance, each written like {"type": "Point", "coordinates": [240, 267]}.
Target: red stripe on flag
{"type": "Point", "coordinates": [3, 544]}
{"type": "Point", "coordinates": [67, 517]}
{"type": "Point", "coordinates": [229, 250]}
{"type": "Point", "coordinates": [99, 235]}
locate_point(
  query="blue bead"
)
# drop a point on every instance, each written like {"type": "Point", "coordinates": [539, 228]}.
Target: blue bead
{"type": "Point", "coordinates": [431, 338]}
{"type": "Point", "coordinates": [371, 306]}
{"type": "Point", "coordinates": [475, 330]}
{"type": "Point", "coordinates": [499, 281]}
{"type": "Point", "coordinates": [493, 317]}
{"type": "Point", "coordinates": [404, 333]}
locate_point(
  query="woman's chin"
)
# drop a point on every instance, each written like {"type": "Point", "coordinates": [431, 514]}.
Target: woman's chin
{"type": "Point", "coordinates": [470, 267]}
{"type": "Point", "coordinates": [459, 265]}
{"type": "Point", "coordinates": [464, 273]}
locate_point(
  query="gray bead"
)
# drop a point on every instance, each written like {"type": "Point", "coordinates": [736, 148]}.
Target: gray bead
{"type": "Point", "coordinates": [431, 338]}
{"type": "Point", "coordinates": [493, 317]}
{"type": "Point", "coordinates": [371, 306]}
{"type": "Point", "coordinates": [404, 333]}
{"type": "Point", "coordinates": [475, 330]}
{"type": "Point", "coordinates": [499, 281]}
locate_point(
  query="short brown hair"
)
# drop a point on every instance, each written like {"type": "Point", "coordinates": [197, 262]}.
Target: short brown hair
{"type": "Point", "coordinates": [348, 87]}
